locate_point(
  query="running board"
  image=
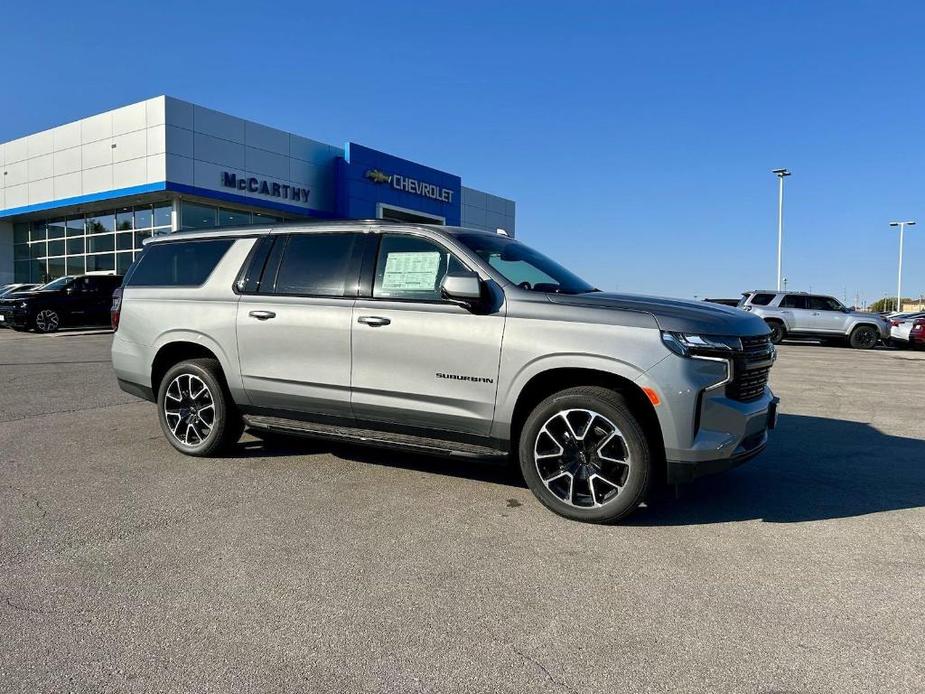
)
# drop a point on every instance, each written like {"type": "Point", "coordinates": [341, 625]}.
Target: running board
{"type": "Point", "coordinates": [372, 437]}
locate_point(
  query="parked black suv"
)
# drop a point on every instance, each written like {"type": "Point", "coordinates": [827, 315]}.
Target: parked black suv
{"type": "Point", "coordinates": [67, 301]}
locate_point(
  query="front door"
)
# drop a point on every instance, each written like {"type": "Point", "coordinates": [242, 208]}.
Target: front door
{"type": "Point", "coordinates": [826, 314]}
{"type": "Point", "coordinates": [294, 328]}
{"type": "Point", "coordinates": [418, 360]}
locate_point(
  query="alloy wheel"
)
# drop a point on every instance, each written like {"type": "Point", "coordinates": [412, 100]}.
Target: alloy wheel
{"type": "Point", "coordinates": [47, 321]}
{"type": "Point", "coordinates": [582, 458]}
{"type": "Point", "coordinates": [866, 338]}
{"type": "Point", "coordinates": [189, 409]}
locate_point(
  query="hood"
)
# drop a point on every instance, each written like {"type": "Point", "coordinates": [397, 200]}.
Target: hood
{"type": "Point", "coordinates": [675, 315]}
{"type": "Point", "coordinates": [19, 296]}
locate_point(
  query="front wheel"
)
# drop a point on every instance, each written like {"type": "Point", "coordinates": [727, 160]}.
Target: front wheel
{"type": "Point", "coordinates": [196, 414]}
{"type": "Point", "coordinates": [864, 337]}
{"type": "Point", "coordinates": [585, 456]}
{"type": "Point", "coordinates": [47, 321]}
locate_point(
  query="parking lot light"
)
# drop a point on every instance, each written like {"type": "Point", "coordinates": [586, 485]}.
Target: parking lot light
{"type": "Point", "coordinates": [899, 281]}
{"type": "Point", "coordinates": [780, 173]}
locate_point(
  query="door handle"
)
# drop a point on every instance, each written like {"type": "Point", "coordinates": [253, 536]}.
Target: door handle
{"type": "Point", "coordinates": [262, 315]}
{"type": "Point", "coordinates": [374, 321]}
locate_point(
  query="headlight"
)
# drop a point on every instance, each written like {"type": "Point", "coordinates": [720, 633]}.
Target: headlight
{"type": "Point", "coordinates": [691, 345]}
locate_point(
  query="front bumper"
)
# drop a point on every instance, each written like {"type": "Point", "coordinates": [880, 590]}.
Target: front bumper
{"type": "Point", "coordinates": [13, 318]}
{"type": "Point", "coordinates": [704, 429]}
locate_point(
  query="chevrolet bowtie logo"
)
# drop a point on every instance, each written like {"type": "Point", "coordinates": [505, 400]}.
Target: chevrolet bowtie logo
{"type": "Point", "coordinates": [377, 176]}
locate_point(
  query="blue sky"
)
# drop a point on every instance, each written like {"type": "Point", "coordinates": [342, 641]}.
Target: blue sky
{"type": "Point", "coordinates": [636, 137]}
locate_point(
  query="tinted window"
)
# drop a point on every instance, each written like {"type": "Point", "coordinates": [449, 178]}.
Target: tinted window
{"type": "Point", "coordinates": [762, 299]}
{"type": "Point", "coordinates": [824, 303]}
{"type": "Point", "coordinates": [793, 301]}
{"type": "Point", "coordinates": [412, 268]}
{"type": "Point", "coordinates": [523, 266]}
{"type": "Point", "coordinates": [183, 264]}
{"type": "Point", "coordinates": [317, 265]}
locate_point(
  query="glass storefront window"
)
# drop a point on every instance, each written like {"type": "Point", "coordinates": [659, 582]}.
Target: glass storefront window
{"type": "Point", "coordinates": [144, 217]}
{"type": "Point", "coordinates": [75, 226]}
{"type": "Point", "coordinates": [124, 219]}
{"type": "Point", "coordinates": [103, 261]}
{"type": "Point", "coordinates": [38, 231]}
{"type": "Point", "coordinates": [56, 268]}
{"type": "Point", "coordinates": [21, 252]}
{"type": "Point", "coordinates": [21, 232]}
{"type": "Point", "coordinates": [56, 247]}
{"type": "Point", "coordinates": [261, 218]}
{"type": "Point", "coordinates": [140, 237]}
{"type": "Point", "coordinates": [163, 214]}
{"type": "Point", "coordinates": [233, 218]}
{"type": "Point", "coordinates": [123, 260]}
{"type": "Point", "coordinates": [101, 223]}
{"type": "Point", "coordinates": [37, 250]}
{"type": "Point", "coordinates": [100, 243]}
{"type": "Point", "coordinates": [197, 216]}
{"type": "Point", "coordinates": [76, 246]}
{"type": "Point", "coordinates": [75, 266]}
{"type": "Point", "coordinates": [56, 229]}
{"type": "Point", "coordinates": [124, 242]}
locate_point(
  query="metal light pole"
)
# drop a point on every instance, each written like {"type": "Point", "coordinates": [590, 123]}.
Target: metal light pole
{"type": "Point", "coordinates": [780, 173]}
{"type": "Point", "coordinates": [899, 280]}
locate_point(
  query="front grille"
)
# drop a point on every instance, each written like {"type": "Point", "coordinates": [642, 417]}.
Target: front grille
{"type": "Point", "coordinates": [751, 369]}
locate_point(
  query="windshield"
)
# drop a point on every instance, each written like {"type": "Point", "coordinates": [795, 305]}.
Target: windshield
{"type": "Point", "coordinates": [59, 283]}
{"type": "Point", "coordinates": [523, 266]}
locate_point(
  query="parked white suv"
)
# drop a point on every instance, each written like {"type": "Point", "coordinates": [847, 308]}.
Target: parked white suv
{"type": "Point", "coordinates": [798, 314]}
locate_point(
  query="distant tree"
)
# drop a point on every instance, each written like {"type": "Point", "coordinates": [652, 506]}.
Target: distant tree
{"type": "Point", "coordinates": [887, 303]}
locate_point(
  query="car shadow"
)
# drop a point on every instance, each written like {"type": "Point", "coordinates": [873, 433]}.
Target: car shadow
{"type": "Point", "coordinates": [814, 469]}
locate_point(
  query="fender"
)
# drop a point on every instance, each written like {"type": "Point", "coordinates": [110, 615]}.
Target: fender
{"type": "Point", "coordinates": [229, 362]}
{"type": "Point", "coordinates": [510, 387]}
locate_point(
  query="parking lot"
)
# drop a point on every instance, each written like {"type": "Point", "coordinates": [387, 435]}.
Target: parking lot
{"type": "Point", "coordinates": [127, 567]}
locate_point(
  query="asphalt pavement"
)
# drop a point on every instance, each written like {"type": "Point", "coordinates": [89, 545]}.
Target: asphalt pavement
{"type": "Point", "coordinates": [127, 567]}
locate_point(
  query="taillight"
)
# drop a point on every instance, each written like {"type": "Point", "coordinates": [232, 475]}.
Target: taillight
{"type": "Point", "coordinates": [918, 326]}
{"type": "Point", "coordinates": [116, 310]}
{"type": "Point", "coordinates": [895, 323]}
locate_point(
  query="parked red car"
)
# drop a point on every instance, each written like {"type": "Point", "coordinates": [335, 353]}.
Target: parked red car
{"type": "Point", "coordinates": [917, 334]}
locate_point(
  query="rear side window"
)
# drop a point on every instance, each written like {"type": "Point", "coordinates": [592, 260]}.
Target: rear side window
{"type": "Point", "coordinates": [318, 265]}
{"type": "Point", "coordinates": [793, 301]}
{"type": "Point", "coordinates": [178, 264]}
{"type": "Point", "coordinates": [762, 299]}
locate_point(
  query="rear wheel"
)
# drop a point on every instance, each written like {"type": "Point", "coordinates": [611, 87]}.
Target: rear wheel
{"type": "Point", "coordinates": [777, 331]}
{"type": "Point", "coordinates": [864, 337]}
{"type": "Point", "coordinates": [584, 454]}
{"type": "Point", "coordinates": [47, 321]}
{"type": "Point", "coordinates": [195, 411]}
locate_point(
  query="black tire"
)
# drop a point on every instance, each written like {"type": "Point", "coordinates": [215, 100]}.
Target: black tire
{"type": "Point", "coordinates": [778, 331]}
{"type": "Point", "coordinates": [864, 337]}
{"type": "Point", "coordinates": [47, 321]}
{"type": "Point", "coordinates": [187, 417]}
{"type": "Point", "coordinates": [630, 480]}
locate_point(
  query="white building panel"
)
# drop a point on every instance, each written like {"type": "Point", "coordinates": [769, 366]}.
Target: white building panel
{"type": "Point", "coordinates": [130, 146]}
{"type": "Point", "coordinates": [66, 136]}
{"type": "Point", "coordinates": [17, 196]}
{"type": "Point", "coordinates": [41, 191]}
{"type": "Point", "coordinates": [267, 163]}
{"type": "Point", "coordinates": [41, 167]}
{"type": "Point", "coordinates": [96, 128]}
{"type": "Point", "coordinates": [129, 119]}
{"type": "Point", "coordinates": [133, 172]}
{"type": "Point", "coordinates": [67, 161]}
{"type": "Point", "coordinates": [155, 111]}
{"type": "Point", "coordinates": [40, 144]}
{"type": "Point", "coordinates": [16, 174]}
{"type": "Point", "coordinates": [17, 150]}
{"type": "Point", "coordinates": [97, 180]}
{"type": "Point", "coordinates": [263, 137]}
{"type": "Point", "coordinates": [68, 186]}
{"type": "Point", "coordinates": [218, 125]}
{"type": "Point", "coordinates": [156, 168]}
{"type": "Point", "coordinates": [157, 139]}
{"type": "Point", "coordinates": [96, 154]}
{"type": "Point", "coordinates": [216, 150]}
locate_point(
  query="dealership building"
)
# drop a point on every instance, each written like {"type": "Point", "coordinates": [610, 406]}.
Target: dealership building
{"type": "Point", "coordinates": [82, 197]}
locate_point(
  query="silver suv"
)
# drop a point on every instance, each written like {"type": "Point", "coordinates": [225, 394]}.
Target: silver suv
{"type": "Point", "coordinates": [798, 314]}
{"type": "Point", "coordinates": [446, 341]}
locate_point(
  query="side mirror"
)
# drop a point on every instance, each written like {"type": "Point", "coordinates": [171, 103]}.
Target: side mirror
{"type": "Point", "coordinates": [71, 290]}
{"type": "Point", "coordinates": [464, 288]}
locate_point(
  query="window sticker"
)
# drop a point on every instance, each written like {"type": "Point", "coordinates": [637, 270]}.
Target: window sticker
{"type": "Point", "coordinates": [415, 271]}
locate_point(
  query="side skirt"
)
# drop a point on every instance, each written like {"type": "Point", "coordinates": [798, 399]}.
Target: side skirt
{"type": "Point", "coordinates": [374, 437]}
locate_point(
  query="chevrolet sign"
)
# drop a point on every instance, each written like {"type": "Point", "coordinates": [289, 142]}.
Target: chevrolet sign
{"type": "Point", "coordinates": [411, 185]}
{"type": "Point", "coordinates": [264, 187]}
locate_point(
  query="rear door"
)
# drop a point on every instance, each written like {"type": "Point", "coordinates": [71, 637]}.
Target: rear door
{"type": "Point", "coordinates": [795, 308]}
{"type": "Point", "coordinates": [293, 322]}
